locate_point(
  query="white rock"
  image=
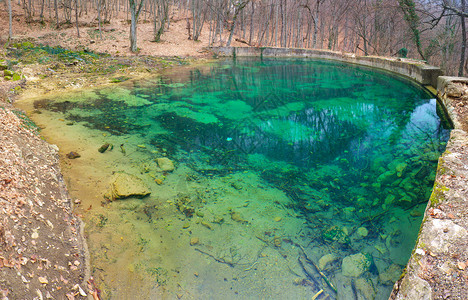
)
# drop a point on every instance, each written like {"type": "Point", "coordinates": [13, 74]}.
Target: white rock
{"type": "Point", "coordinates": [326, 259]}
{"type": "Point", "coordinates": [355, 265]}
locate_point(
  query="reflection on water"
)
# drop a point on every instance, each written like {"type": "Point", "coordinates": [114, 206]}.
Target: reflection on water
{"type": "Point", "coordinates": [293, 178]}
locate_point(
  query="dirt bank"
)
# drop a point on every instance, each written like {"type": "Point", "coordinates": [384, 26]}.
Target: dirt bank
{"type": "Point", "coordinates": [42, 252]}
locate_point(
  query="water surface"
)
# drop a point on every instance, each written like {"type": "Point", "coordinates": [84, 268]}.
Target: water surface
{"type": "Point", "coordinates": [282, 166]}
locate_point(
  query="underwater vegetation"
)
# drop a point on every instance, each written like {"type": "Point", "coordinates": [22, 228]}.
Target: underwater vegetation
{"type": "Point", "coordinates": [348, 155]}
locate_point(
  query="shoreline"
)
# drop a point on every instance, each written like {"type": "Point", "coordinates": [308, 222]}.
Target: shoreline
{"type": "Point", "coordinates": [37, 216]}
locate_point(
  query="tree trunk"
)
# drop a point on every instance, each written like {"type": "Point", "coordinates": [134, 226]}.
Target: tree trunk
{"type": "Point", "coordinates": [76, 18]}
{"type": "Point", "coordinates": [234, 19]}
{"type": "Point", "coordinates": [463, 45]}
{"type": "Point", "coordinates": [276, 23]}
{"type": "Point", "coordinates": [99, 18]}
{"type": "Point", "coordinates": [10, 30]}
{"type": "Point", "coordinates": [251, 23]}
{"type": "Point", "coordinates": [134, 13]}
{"type": "Point", "coordinates": [42, 12]}
{"type": "Point", "coordinates": [56, 13]}
{"type": "Point", "coordinates": [133, 33]}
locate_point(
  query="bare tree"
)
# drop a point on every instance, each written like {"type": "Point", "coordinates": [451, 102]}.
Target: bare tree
{"type": "Point", "coordinates": [238, 7]}
{"type": "Point", "coordinates": [461, 12]}
{"type": "Point", "coordinates": [134, 13]}
{"type": "Point", "coordinates": [199, 11]}
{"type": "Point", "coordinates": [10, 25]}
{"type": "Point", "coordinates": [160, 17]}
{"type": "Point", "coordinates": [463, 46]}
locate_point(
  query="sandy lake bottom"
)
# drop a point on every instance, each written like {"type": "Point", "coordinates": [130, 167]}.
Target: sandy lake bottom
{"type": "Point", "coordinates": [291, 179]}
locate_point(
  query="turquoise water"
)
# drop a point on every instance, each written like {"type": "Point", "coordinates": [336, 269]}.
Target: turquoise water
{"type": "Point", "coordinates": [295, 161]}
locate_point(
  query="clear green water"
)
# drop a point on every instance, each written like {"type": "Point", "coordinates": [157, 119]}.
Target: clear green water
{"type": "Point", "coordinates": [286, 160]}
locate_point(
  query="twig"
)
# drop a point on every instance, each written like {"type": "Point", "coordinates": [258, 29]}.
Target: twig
{"type": "Point", "coordinates": [316, 268]}
{"type": "Point", "coordinates": [220, 260]}
{"type": "Point", "coordinates": [250, 268]}
{"type": "Point", "coordinates": [307, 272]}
{"type": "Point", "coordinates": [316, 295]}
{"type": "Point", "coordinates": [373, 217]}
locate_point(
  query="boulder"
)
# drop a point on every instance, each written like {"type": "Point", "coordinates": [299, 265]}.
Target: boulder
{"type": "Point", "coordinates": [123, 185]}
{"type": "Point", "coordinates": [165, 164]}
{"type": "Point", "coordinates": [355, 265]}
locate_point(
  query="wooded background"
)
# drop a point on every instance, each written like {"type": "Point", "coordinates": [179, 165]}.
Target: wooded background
{"type": "Point", "coordinates": [429, 30]}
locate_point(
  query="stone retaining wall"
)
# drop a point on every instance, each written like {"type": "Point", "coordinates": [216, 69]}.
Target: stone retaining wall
{"type": "Point", "coordinates": [438, 267]}
{"type": "Point", "coordinates": [414, 69]}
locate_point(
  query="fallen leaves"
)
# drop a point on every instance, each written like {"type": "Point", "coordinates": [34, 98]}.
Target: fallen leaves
{"type": "Point", "coordinates": [31, 233]}
{"type": "Point", "coordinates": [43, 280]}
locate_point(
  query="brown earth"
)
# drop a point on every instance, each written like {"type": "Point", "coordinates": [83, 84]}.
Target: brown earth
{"type": "Point", "coordinates": [42, 253]}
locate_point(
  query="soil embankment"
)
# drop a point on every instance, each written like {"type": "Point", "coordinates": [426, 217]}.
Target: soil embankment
{"type": "Point", "coordinates": [42, 252]}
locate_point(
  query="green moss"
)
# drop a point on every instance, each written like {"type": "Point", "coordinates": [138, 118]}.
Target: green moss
{"type": "Point", "coordinates": [16, 77]}
{"type": "Point", "coordinates": [403, 274]}
{"type": "Point", "coordinates": [28, 52]}
{"type": "Point", "coordinates": [27, 122]}
{"type": "Point", "coordinates": [119, 79]}
{"type": "Point", "coordinates": [437, 195]}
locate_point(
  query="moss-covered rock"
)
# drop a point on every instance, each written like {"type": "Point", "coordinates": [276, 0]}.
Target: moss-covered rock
{"type": "Point", "coordinates": [3, 65]}
{"type": "Point", "coordinates": [355, 265]}
{"type": "Point", "coordinates": [8, 73]}
{"type": "Point", "coordinates": [16, 77]}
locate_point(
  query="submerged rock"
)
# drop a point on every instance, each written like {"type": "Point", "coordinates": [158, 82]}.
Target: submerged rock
{"type": "Point", "coordinates": [165, 164]}
{"type": "Point", "coordinates": [103, 148]}
{"type": "Point", "coordinates": [73, 155]}
{"type": "Point", "coordinates": [362, 231]}
{"type": "Point", "coordinates": [355, 265]}
{"type": "Point", "coordinates": [335, 234]}
{"type": "Point", "coordinates": [366, 288]}
{"type": "Point", "coordinates": [390, 275]}
{"type": "Point", "coordinates": [326, 259]}
{"type": "Point", "coordinates": [235, 216]}
{"type": "Point", "coordinates": [386, 177]}
{"type": "Point", "coordinates": [125, 185]}
{"type": "Point", "coordinates": [194, 241]}
{"type": "Point", "coordinates": [400, 168]}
